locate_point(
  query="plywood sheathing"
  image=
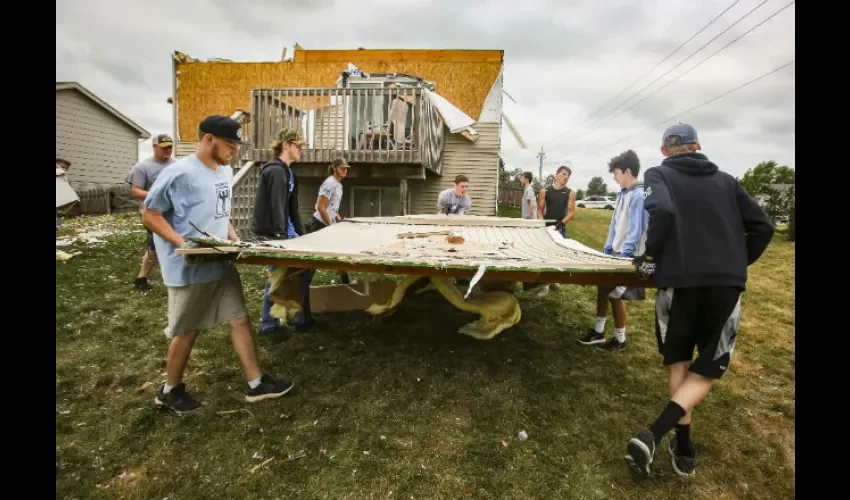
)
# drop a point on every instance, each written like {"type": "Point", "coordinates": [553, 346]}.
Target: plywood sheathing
{"type": "Point", "coordinates": [464, 77]}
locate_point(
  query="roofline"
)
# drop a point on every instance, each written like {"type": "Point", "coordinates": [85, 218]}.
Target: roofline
{"type": "Point", "coordinates": [182, 58]}
{"type": "Point", "coordinates": [76, 86]}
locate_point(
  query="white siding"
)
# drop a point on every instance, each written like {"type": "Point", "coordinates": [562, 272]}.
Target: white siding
{"type": "Point", "coordinates": [479, 161]}
{"type": "Point", "coordinates": [182, 149]}
{"type": "Point", "coordinates": [330, 127]}
{"type": "Point", "coordinates": [101, 148]}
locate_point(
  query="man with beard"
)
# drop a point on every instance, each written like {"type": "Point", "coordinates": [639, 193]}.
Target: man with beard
{"type": "Point", "coordinates": [197, 191]}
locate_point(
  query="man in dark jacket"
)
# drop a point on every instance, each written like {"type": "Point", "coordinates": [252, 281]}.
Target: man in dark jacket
{"type": "Point", "coordinates": [704, 231]}
{"type": "Point", "coordinates": [276, 217]}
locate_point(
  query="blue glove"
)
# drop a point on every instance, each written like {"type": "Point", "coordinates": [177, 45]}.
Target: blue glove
{"type": "Point", "coordinates": [627, 255]}
{"type": "Point", "coordinates": [607, 250]}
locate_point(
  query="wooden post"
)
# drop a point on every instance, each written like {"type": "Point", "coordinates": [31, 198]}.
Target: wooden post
{"type": "Point", "coordinates": [108, 201]}
{"type": "Point", "coordinates": [403, 194]}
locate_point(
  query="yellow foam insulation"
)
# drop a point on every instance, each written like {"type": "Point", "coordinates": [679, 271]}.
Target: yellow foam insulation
{"type": "Point", "coordinates": [286, 311]}
{"type": "Point", "coordinates": [498, 310]}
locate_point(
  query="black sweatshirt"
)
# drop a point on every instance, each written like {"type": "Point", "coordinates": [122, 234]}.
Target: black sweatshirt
{"type": "Point", "coordinates": [704, 228]}
{"type": "Point", "coordinates": [275, 205]}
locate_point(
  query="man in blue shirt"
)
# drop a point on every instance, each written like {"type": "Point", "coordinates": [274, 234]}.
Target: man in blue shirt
{"type": "Point", "coordinates": [626, 238]}
{"type": "Point", "coordinates": [276, 216]}
{"type": "Point", "coordinates": [197, 190]}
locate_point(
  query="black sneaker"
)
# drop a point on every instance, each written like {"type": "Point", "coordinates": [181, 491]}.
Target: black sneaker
{"type": "Point", "coordinates": [177, 399]}
{"type": "Point", "coordinates": [269, 388]}
{"type": "Point", "coordinates": [683, 465]}
{"type": "Point", "coordinates": [592, 337]}
{"type": "Point", "coordinates": [641, 451]}
{"type": "Point", "coordinates": [143, 285]}
{"type": "Point", "coordinates": [613, 345]}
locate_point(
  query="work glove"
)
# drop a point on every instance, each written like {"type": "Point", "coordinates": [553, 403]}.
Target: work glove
{"type": "Point", "coordinates": [645, 266]}
{"type": "Point", "coordinates": [560, 226]}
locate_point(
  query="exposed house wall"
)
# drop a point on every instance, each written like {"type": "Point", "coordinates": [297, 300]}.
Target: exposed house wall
{"type": "Point", "coordinates": [464, 77]}
{"type": "Point", "coordinates": [100, 147]}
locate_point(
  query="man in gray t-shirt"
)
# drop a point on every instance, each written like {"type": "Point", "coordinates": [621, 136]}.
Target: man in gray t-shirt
{"type": "Point", "coordinates": [455, 201]}
{"type": "Point", "coordinates": [328, 202]}
{"type": "Point", "coordinates": [141, 178]}
{"type": "Point", "coordinates": [529, 197]}
{"type": "Point", "coordinates": [330, 195]}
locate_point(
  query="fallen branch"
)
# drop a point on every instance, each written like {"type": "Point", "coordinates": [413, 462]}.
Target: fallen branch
{"type": "Point", "coordinates": [254, 469]}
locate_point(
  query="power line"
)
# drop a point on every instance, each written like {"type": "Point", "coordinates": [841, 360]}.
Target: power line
{"type": "Point", "coordinates": [657, 64]}
{"type": "Point", "coordinates": [659, 89]}
{"type": "Point", "coordinates": [724, 94]}
{"type": "Point", "coordinates": [674, 67]}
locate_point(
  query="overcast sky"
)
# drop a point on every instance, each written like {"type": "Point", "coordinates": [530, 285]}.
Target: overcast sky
{"type": "Point", "coordinates": [563, 60]}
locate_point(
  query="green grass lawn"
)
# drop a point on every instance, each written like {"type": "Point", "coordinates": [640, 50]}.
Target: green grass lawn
{"type": "Point", "coordinates": [406, 407]}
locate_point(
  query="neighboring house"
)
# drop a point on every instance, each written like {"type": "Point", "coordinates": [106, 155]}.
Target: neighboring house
{"type": "Point", "coordinates": [101, 143]}
{"type": "Point", "coordinates": [408, 120]}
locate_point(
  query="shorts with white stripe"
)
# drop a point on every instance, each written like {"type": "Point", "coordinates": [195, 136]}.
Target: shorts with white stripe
{"type": "Point", "coordinates": [705, 318]}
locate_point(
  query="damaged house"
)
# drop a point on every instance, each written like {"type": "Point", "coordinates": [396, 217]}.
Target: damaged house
{"type": "Point", "coordinates": [408, 121]}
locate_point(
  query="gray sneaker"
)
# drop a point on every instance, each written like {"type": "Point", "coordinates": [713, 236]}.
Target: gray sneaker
{"type": "Point", "coordinates": [641, 451]}
{"type": "Point", "coordinates": [177, 400]}
{"type": "Point", "coordinates": [592, 337]}
{"type": "Point", "coordinates": [684, 466]}
{"type": "Point", "coordinates": [613, 345]}
{"type": "Point", "coordinates": [269, 388]}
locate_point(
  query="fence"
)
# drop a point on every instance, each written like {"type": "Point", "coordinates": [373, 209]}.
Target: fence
{"type": "Point", "coordinates": [510, 196]}
{"type": "Point", "coordinates": [99, 199]}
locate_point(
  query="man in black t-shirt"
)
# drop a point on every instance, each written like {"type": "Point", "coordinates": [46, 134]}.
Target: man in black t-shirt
{"type": "Point", "coordinates": [558, 202]}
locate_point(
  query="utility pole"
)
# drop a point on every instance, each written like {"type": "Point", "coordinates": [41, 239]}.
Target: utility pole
{"type": "Point", "coordinates": [540, 157]}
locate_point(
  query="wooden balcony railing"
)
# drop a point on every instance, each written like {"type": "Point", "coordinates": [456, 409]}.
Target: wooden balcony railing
{"type": "Point", "coordinates": [395, 125]}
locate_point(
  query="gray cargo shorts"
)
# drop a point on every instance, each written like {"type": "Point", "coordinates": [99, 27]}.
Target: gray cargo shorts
{"type": "Point", "coordinates": [202, 305]}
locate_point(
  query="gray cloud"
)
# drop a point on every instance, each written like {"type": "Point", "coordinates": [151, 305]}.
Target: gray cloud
{"type": "Point", "coordinates": [562, 61]}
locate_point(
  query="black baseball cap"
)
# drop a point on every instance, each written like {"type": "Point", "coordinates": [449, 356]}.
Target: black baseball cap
{"type": "Point", "coordinates": [223, 127]}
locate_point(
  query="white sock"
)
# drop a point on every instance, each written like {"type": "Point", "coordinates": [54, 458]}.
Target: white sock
{"type": "Point", "coordinates": [167, 388]}
{"type": "Point", "coordinates": [620, 333]}
{"type": "Point", "coordinates": [600, 324]}
{"type": "Point", "coordinates": [254, 383]}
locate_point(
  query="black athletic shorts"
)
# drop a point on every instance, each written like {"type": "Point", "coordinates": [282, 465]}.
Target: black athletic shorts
{"type": "Point", "coordinates": [705, 318]}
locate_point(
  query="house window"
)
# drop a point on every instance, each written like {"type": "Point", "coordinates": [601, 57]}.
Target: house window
{"type": "Point", "coordinates": [374, 201]}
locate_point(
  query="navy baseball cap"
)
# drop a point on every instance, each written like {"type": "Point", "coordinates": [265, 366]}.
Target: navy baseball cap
{"type": "Point", "coordinates": [223, 127]}
{"type": "Point", "coordinates": [680, 133]}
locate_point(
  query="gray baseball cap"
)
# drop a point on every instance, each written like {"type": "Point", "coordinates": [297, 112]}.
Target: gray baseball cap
{"type": "Point", "coordinates": [680, 133]}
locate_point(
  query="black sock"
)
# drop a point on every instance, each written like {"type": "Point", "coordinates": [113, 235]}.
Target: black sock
{"type": "Point", "coordinates": [668, 418]}
{"type": "Point", "coordinates": [683, 440]}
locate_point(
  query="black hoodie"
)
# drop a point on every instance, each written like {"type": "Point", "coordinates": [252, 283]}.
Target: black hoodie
{"type": "Point", "coordinates": [704, 228]}
{"type": "Point", "coordinates": [275, 205]}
